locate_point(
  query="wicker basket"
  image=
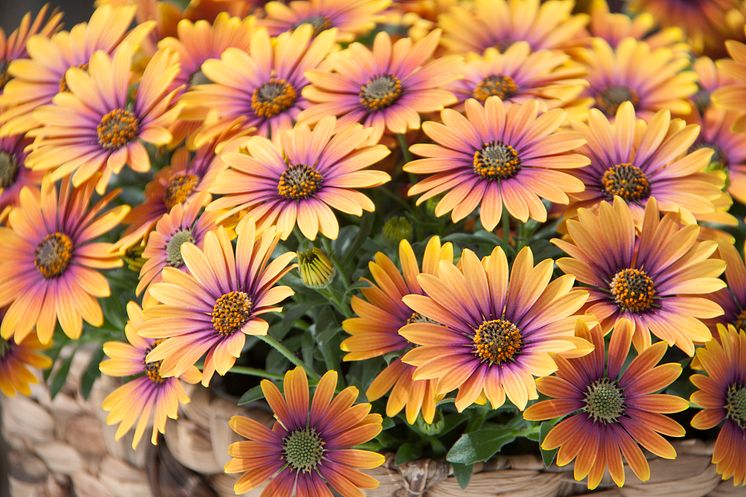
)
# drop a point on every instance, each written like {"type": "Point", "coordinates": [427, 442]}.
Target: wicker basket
{"type": "Point", "coordinates": [63, 448]}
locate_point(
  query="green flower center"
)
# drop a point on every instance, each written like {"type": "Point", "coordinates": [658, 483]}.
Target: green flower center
{"type": "Point", "coordinates": [633, 290]}
{"type": "Point", "coordinates": [609, 100]}
{"type": "Point", "coordinates": [198, 78]}
{"type": "Point", "coordinates": [604, 401]}
{"type": "Point", "coordinates": [320, 23]}
{"type": "Point", "coordinates": [8, 169]}
{"type": "Point", "coordinates": [380, 92]}
{"type": "Point", "coordinates": [491, 86]}
{"type": "Point", "coordinates": [626, 181]}
{"type": "Point", "coordinates": [4, 348]}
{"type": "Point", "coordinates": [230, 312]}
{"type": "Point", "coordinates": [702, 99]}
{"type": "Point", "coordinates": [735, 404]}
{"type": "Point", "coordinates": [179, 187]}
{"type": "Point", "coordinates": [272, 98]}
{"type": "Point", "coordinates": [4, 76]}
{"type": "Point", "coordinates": [173, 247]}
{"type": "Point", "coordinates": [299, 182]}
{"type": "Point", "coordinates": [496, 161]}
{"type": "Point", "coordinates": [303, 449]}
{"type": "Point", "coordinates": [497, 341]}
{"type": "Point", "coordinates": [53, 255]}
{"type": "Point", "coordinates": [117, 129]}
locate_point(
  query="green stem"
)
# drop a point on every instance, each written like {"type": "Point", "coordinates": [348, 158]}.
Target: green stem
{"type": "Point", "coordinates": [406, 156]}
{"type": "Point", "coordinates": [506, 228]}
{"type": "Point", "coordinates": [272, 342]}
{"type": "Point", "coordinates": [337, 263]}
{"type": "Point", "coordinates": [396, 198]}
{"type": "Point", "coordinates": [255, 372]}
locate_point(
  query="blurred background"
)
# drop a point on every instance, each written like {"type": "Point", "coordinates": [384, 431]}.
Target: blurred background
{"type": "Point", "coordinates": [11, 11]}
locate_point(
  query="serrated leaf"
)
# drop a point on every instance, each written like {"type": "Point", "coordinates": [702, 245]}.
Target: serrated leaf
{"type": "Point", "coordinates": [462, 472]}
{"type": "Point", "coordinates": [479, 445]}
{"type": "Point", "coordinates": [91, 373]}
{"type": "Point", "coordinates": [251, 395]}
{"type": "Point", "coordinates": [60, 376]}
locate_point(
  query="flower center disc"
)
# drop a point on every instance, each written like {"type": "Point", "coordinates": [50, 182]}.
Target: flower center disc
{"type": "Point", "coordinates": [179, 187]}
{"type": "Point", "coordinates": [626, 181]}
{"type": "Point", "coordinates": [299, 182]}
{"type": "Point", "coordinates": [303, 449]}
{"type": "Point", "coordinates": [740, 322]}
{"type": "Point", "coordinates": [272, 98]}
{"type": "Point", "coordinates": [496, 161]}
{"type": "Point", "coordinates": [491, 86]}
{"type": "Point", "coordinates": [63, 82]}
{"type": "Point", "coordinates": [735, 404]}
{"type": "Point", "coordinates": [609, 100]}
{"type": "Point", "coordinates": [380, 92]}
{"type": "Point", "coordinates": [230, 312]}
{"type": "Point", "coordinates": [153, 369]}
{"type": "Point", "coordinates": [604, 401]}
{"type": "Point", "coordinates": [173, 247]}
{"type": "Point", "coordinates": [633, 290]}
{"type": "Point", "coordinates": [117, 128]}
{"type": "Point", "coordinates": [53, 254]}
{"type": "Point", "coordinates": [8, 169]}
{"type": "Point", "coordinates": [4, 348]}
{"type": "Point", "coordinates": [497, 341]}
{"type": "Point", "coordinates": [320, 23]}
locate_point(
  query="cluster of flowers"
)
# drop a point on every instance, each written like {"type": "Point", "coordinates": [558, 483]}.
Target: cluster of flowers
{"type": "Point", "coordinates": [256, 127]}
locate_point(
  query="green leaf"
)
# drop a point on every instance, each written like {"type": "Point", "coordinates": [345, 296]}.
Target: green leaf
{"type": "Point", "coordinates": [60, 376]}
{"type": "Point", "coordinates": [53, 353]}
{"type": "Point", "coordinates": [91, 373]}
{"type": "Point", "coordinates": [546, 455]}
{"type": "Point", "coordinates": [462, 472]}
{"type": "Point", "coordinates": [480, 445]}
{"type": "Point", "coordinates": [251, 395]}
{"type": "Point", "coordinates": [408, 452]}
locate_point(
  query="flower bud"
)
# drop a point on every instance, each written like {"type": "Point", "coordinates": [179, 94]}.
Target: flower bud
{"type": "Point", "coordinates": [397, 228]}
{"type": "Point", "coordinates": [316, 269]}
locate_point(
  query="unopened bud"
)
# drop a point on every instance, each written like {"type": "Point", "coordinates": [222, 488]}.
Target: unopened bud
{"type": "Point", "coordinates": [316, 269]}
{"type": "Point", "coordinates": [397, 228]}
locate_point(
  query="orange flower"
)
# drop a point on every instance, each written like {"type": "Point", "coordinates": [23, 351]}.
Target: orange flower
{"type": "Point", "coordinates": [16, 359]}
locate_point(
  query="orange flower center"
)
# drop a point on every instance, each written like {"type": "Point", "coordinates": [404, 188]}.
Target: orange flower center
{"type": "Point", "coordinates": [53, 254]}
{"type": "Point", "coordinates": [117, 129]}
{"type": "Point", "coordinates": [320, 23]}
{"type": "Point", "coordinates": [303, 449]}
{"type": "Point", "coordinates": [626, 181]}
{"type": "Point", "coordinates": [496, 161]}
{"type": "Point", "coordinates": [609, 100]}
{"type": "Point", "coordinates": [8, 169]}
{"type": "Point", "coordinates": [231, 311]}
{"type": "Point", "coordinates": [497, 341]}
{"type": "Point", "coordinates": [380, 92]}
{"type": "Point", "coordinates": [633, 290]}
{"type": "Point", "coordinates": [179, 187]}
{"type": "Point", "coordinates": [735, 404]}
{"type": "Point", "coordinates": [272, 98]}
{"type": "Point", "coordinates": [173, 247]}
{"type": "Point", "coordinates": [491, 86]}
{"type": "Point", "coordinates": [153, 369]}
{"type": "Point", "coordinates": [604, 401]}
{"type": "Point", "coordinates": [63, 82]}
{"type": "Point", "coordinates": [299, 182]}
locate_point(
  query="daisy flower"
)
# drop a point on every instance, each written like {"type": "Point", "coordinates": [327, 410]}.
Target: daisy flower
{"type": "Point", "coordinates": [379, 317]}
{"type": "Point", "coordinates": [519, 75]}
{"type": "Point", "coordinates": [209, 309]}
{"type": "Point", "coordinates": [16, 363]}
{"type": "Point", "coordinates": [658, 278]}
{"type": "Point", "coordinates": [732, 298]}
{"type": "Point", "coordinates": [263, 85]}
{"type": "Point", "coordinates": [488, 332]}
{"type": "Point", "coordinates": [50, 261]}
{"type": "Point", "coordinates": [709, 79]}
{"type": "Point", "coordinates": [386, 88]}
{"type": "Point", "coordinates": [610, 410]}
{"type": "Point", "coordinates": [94, 128]}
{"type": "Point", "coordinates": [474, 27]}
{"type": "Point", "coordinates": [199, 41]}
{"type": "Point", "coordinates": [637, 159]}
{"type": "Point", "coordinates": [309, 450]}
{"type": "Point", "coordinates": [14, 175]}
{"type": "Point", "coordinates": [299, 182]}
{"type": "Point", "coordinates": [350, 17]}
{"type": "Point", "coordinates": [41, 76]}
{"type": "Point", "coordinates": [497, 155]}
{"type": "Point", "coordinates": [182, 224]}
{"type": "Point", "coordinates": [615, 75]}
{"type": "Point", "coordinates": [148, 398]}
{"type": "Point", "coordinates": [703, 21]}
{"type": "Point", "coordinates": [732, 95]}
{"type": "Point", "coordinates": [721, 392]}
{"type": "Point", "coordinates": [616, 26]}
{"type": "Point", "coordinates": [13, 46]}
